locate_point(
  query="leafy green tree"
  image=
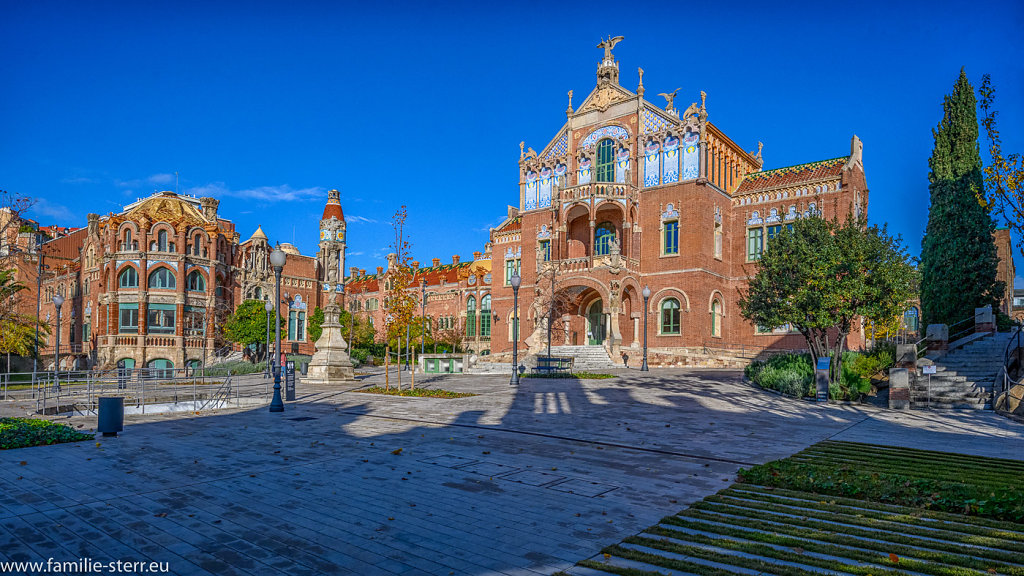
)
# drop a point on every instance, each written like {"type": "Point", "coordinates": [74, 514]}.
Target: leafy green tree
{"type": "Point", "coordinates": [959, 261]}
{"type": "Point", "coordinates": [316, 321]}
{"type": "Point", "coordinates": [822, 278]}
{"type": "Point", "coordinates": [1004, 175]}
{"type": "Point", "coordinates": [247, 325]}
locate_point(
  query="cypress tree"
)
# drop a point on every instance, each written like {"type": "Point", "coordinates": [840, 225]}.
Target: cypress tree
{"type": "Point", "coordinates": [958, 253]}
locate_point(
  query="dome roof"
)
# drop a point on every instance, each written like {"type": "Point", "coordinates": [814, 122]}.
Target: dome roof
{"type": "Point", "coordinates": [289, 249]}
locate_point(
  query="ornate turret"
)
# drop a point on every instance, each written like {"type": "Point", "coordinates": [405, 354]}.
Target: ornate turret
{"type": "Point", "coordinates": [332, 243]}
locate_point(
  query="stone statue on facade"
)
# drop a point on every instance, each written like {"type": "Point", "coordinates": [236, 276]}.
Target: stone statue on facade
{"type": "Point", "coordinates": [670, 96]}
{"type": "Point", "coordinates": [608, 45]}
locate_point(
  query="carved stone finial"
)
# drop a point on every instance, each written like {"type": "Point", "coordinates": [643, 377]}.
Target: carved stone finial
{"type": "Point", "coordinates": [521, 145]}
{"type": "Point", "coordinates": [760, 146]}
{"type": "Point", "coordinates": [640, 87]}
{"type": "Point", "coordinates": [569, 109]}
{"type": "Point", "coordinates": [703, 98]}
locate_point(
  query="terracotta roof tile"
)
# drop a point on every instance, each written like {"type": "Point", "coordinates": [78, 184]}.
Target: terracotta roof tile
{"type": "Point", "coordinates": [791, 175]}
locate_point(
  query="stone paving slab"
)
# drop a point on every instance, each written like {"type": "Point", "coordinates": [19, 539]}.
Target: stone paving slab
{"type": "Point", "coordinates": [506, 482]}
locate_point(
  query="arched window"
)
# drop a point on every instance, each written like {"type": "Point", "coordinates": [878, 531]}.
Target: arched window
{"type": "Point", "coordinates": [197, 245]}
{"type": "Point", "coordinates": [606, 161]}
{"type": "Point", "coordinates": [196, 282]}
{"type": "Point", "coordinates": [603, 236]}
{"type": "Point", "coordinates": [485, 316]}
{"type": "Point", "coordinates": [670, 316]}
{"type": "Point", "coordinates": [129, 278]}
{"type": "Point", "coordinates": [161, 241]}
{"type": "Point", "coordinates": [471, 317]}
{"type": "Point", "coordinates": [910, 319]}
{"type": "Point", "coordinates": [127, 240]}
{"type": "Point", "coordinates": [162, 278]}
{"type": "Point", "coordinates": [716, 318]}
{"type": "Point", "coordinates": [160, 368]}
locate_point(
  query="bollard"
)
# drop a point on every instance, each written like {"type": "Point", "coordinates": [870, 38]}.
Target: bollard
{"type": "Point", "coordinates": [110, 418]}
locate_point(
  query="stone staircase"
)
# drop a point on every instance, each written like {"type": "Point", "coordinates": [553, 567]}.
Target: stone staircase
{"type": "Point", "coordinates": [587, 358]}
{"type": "Point", "coordinates": [482, 367]}
{"type": "Point", "coordinates": [963, 378]}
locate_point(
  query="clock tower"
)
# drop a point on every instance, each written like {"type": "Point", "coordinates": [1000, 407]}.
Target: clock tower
{"type": "Point", "coordinates": [331, 254]}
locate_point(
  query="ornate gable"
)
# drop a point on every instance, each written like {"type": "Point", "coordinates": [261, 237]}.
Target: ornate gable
{"type": "Point", "coordinates": [603, 97]}
{"type": "Point", "coordinates": [168, 209]}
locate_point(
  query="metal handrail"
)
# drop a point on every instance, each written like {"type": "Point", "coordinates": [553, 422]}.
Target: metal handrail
{"type": "Point", "coordinates": [1010, 344]}
{"type": "Point", "coordinates": [954, 336]}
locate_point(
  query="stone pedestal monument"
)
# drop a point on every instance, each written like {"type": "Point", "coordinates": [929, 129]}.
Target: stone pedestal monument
{"type": "Point", "coordinates": [330, 363]}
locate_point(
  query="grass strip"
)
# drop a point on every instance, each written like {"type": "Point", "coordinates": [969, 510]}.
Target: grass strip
{"type": "Point", "coordinates": [26, 432]}
{"type": "Point", "coordinates": [901, 517]}
{"type": "Point", "coordinates": [924, 561]}
{"type": "Point", "coordinates": [859, 447]}
{"type": "Point", "coordinates": [970, 525]}
{"type": "Point", "coordinates": [864, 527]}
{"type": "Point", "coordinates": [693, 567]}
{"type": "Point", "coordinates": [626, 571]}
{"type": "Point", "coordinates": [766, 554]}
{"type": "Point", "coordinates": [964, 475]}
{"type": "Point", "coordinates": [813, 529]}
{"type": "Point", "coordinates": [1002, 504]}
{"type": "Point", "coordinates": [416, 392]}
{"type": "Point", "coordinates": [576, 375]}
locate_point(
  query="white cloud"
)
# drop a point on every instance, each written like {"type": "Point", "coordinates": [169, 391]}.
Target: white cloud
{"type": "Point", "coordinates": [44, 207]}
{"type": "Point", "coordinates": [352, 218]}
{"type": "Point", "coordinates": [355, 253]}
{"type": "Point", "coordinates": [160, 179]}
{"type": "Point", "coordinates": [283, 193]}
{"type": "Point", "coordinates": [79, 180]}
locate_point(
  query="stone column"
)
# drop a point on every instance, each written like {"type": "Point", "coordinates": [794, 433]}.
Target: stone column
{"type": "Point", "coordinates": [938, 337]}
{"type": "Point", "coordinates": [899, 389]}
{"type": "Point", "coordinates": [330, 364]}
{"type": "Point", "coordinates": [984, 319]}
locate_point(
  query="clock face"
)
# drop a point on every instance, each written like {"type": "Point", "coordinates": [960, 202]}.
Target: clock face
{"type": "Point", "coordinates": [325, 234]}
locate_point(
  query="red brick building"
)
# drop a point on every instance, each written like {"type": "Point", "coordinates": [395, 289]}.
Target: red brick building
{"type": "Point", "coordinates": [629, 194]}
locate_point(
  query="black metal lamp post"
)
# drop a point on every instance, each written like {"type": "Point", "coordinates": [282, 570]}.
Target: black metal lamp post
{"type": "Point", "coordinates": [647, 294]}
{"type": "Point", "coordinates": [277, 260]}
{"type": "Point", "coordinates": [423, 314]}
{"type": "Point", "coordinates": [57, 301]}
{"type": "Point", "coordinates": [516, 281]}
{"type": "Point", "coordinates": [269, 308]}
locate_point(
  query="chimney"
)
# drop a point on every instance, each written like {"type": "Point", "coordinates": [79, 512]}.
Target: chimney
{"type": "Point", "coordinates": [380, 269]}
{"type": "Point", "coordinates": [437, 262]}
{"type": "Point", "coordinates": [392, 261]}
{"type": "Point", "coordinates": [476, 255]}
{"type": "Point", "coordinates": [415, 264]}
{"type": "Point", "coordinates": [455, 259]}
{"type": "Point", "coordinates": [353, 271]}
{"type": "Point", "coordinates": [362, 271]}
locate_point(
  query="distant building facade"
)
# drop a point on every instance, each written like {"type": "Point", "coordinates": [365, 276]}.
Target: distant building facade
{"type": "Point", "coordinates": [153, 284]}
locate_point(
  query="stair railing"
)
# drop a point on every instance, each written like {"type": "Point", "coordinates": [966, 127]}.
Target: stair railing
{"type": "Point", "coordinates": [1011, 356]}
{"type": "Point", "coordinates": [966, 327]}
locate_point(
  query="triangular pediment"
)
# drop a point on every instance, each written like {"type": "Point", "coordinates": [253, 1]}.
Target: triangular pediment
{"type": "Point", "coordinates": [603, 97]}
{"type": "Point", "coordinates": [558, 146]}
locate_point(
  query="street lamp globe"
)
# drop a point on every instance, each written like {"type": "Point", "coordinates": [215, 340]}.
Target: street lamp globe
{"type": "Point", "coordinates": [516, 281]}
{"type": "Point", "coordinates": [58, 300]}
{"type": "Point", "coordinates": [268, 307]}
{"type": "Point", "coordinates": [647, 292]}
{"type": "Point", "coordinates": [277, 258]}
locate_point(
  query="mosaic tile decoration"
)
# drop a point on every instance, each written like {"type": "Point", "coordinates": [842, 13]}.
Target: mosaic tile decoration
{"type": "Point", "coordinates": [654, 122]}
{"type": "Point", "coordinates": [604, 132]}
{"type": "Point", "coordinates": [560, 147]}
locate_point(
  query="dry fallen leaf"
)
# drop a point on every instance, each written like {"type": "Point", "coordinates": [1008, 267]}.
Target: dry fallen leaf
{"type": "Point", "coordinates": [23, 463]}
{"type": "Point", "coordinates": [607, 556]}
{"type": "Point", "coordinates": [397, 452]}
{"type": "Point", "coordinates": [161, 515]}
{"type": "Point", "coordinates": [894, 559]}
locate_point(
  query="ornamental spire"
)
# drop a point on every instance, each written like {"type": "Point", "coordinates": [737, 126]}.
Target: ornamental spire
{"type": "Point", "coordinates": [608, 68]}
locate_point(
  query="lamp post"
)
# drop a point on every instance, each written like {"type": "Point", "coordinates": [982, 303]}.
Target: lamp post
{"type": "Point", "coordinates": [423, 315]}
{"type": "Point", "coordinates": [647, 294]}
{"type": "Point", "coordinates": [277, 260]}
{"type": "Point", "coordinates": [57, 301]}
{"type": "Point", "coordinates": [269, 308]}
{"type": "Point", "coordinates": [516, 280]}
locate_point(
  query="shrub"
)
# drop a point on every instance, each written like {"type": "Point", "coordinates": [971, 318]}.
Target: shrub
{"type": "Point", "coordinates": [24, 432]}
{"type": "Point", "coordinates": [790, 374]}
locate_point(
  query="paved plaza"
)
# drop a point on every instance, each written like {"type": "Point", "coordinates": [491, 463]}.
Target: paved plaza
{"type": "Point", "coordinates": [511, 481]}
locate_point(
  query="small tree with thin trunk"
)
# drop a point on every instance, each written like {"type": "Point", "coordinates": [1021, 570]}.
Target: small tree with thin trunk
{"type": "Point", "coordinates": [401, 300]}
{"type": "Point", "coordinates": [550, 301]}
{"type": "Point", "coordinates": [1004, 175]}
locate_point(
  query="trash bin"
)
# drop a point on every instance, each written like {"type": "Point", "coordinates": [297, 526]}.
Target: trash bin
{"type": "Point", "coordinates": [305, 366]}
{"type": "Point", "coordinates": [110, 420]}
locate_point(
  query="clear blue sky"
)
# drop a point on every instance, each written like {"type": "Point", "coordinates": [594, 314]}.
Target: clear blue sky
{"type": "Point", "coordinates": [266, 105]}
